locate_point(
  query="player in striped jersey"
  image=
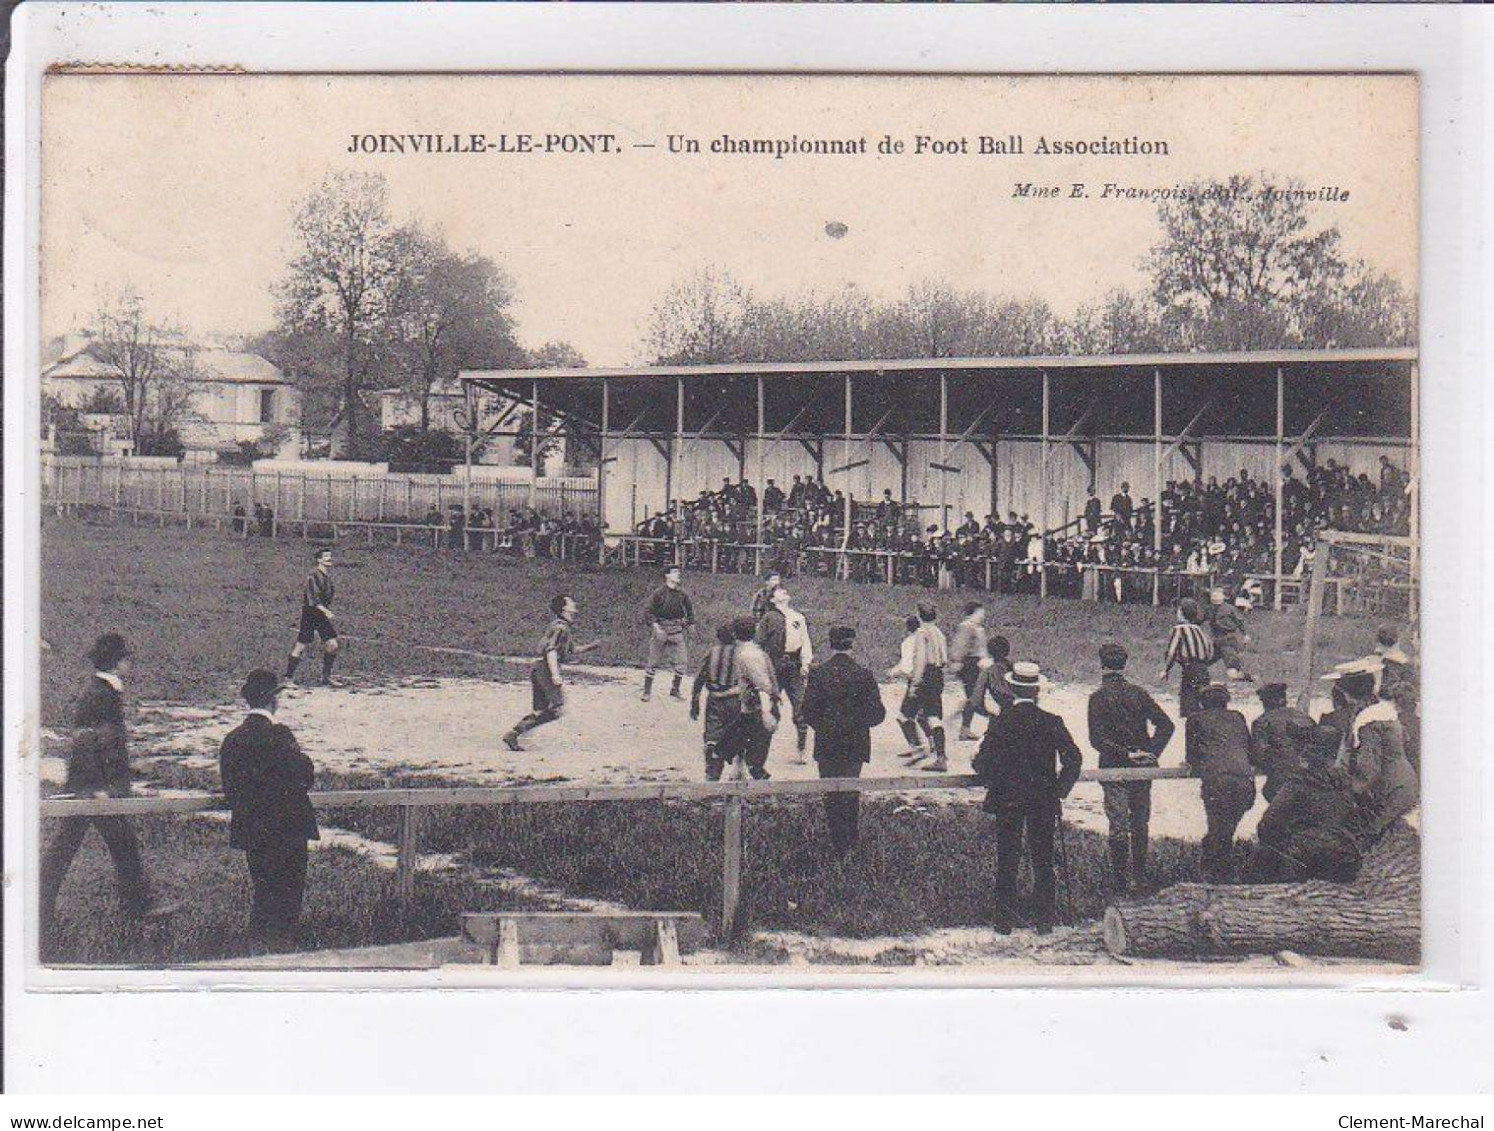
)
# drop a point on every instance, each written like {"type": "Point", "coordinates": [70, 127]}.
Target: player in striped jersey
{"type": "Point", "coordinates": [546, 680]}
{"type": "Point", "coordinates": [1191, 647]}
{"type": "Point", "coordinates": [316, 619]}
{"type": "Point", "coordinates": [718, 679]}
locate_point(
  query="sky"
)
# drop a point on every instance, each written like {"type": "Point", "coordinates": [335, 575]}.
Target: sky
{"type": "Point", "coordinates": [184, 187]}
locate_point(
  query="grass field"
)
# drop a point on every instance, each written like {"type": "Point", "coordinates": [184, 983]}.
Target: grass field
{"type": "Point", "coordinates": [201, 608]}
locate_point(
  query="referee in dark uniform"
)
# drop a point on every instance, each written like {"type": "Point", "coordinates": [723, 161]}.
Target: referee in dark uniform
{"type": "Point", "coordinates": [316, 619]}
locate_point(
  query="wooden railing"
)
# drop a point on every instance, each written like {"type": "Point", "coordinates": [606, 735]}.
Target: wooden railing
{"type": "Point", "coordinates": [410, 802]}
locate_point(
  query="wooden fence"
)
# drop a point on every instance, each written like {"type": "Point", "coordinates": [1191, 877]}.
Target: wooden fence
{"type": "Point", "coordinates": [208, 493]}
{"type": "Point", "coordinates": [411, 802]}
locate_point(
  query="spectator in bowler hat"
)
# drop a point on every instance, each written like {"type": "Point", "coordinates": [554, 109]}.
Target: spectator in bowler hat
{"type": "Point", "coordinates": [842, 704]}
{"type": "Point", "coordinates": [266, 780]}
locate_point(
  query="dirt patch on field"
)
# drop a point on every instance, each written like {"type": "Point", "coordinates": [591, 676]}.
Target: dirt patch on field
{"type": "Point", "coordinates": [452, 728]}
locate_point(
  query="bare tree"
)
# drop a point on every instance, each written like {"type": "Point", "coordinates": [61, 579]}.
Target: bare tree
{"type": "Point", "coordinates": [700, 320]}
{"type": "Point", "coordinates": [132, 348]}
{"type": "Point", "coordinates": [339, 281]}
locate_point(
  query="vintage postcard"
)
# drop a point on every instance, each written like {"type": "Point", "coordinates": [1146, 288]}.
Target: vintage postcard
{"type": "Point", "coordinates": [803, 525]}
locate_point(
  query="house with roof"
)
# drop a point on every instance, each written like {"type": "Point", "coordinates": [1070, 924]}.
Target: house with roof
{"type": "Point", "coordinates": [498, 417]}
{"type": "Point", "coordinates": [234, 396]}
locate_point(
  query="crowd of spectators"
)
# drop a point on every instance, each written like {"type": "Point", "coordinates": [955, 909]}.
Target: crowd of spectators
{"type": "Point", "coordinates": [1212, 531]}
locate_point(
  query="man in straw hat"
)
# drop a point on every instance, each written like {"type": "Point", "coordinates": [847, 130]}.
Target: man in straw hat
{"type": "Point", "coordinates": [842, 703]}
{"type": "Point", "coordinates": [1217, 746]}
{"type": "Point", "coordinates": [1374, 751]}
{"type": "Point", "coordinates": [1028, 763]}
{"type": "Point", "coordinates": [266, 780]}
{"type": "Point", "coordinates": [1127, 728]}
{"type": "Point", "coordinates": [98, 765]}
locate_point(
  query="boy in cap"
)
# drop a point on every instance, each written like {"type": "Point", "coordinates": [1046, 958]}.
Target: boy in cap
{"type": "Point", "coordinates": [1217, 741]}
{"type": "Point", "coordinates": [1191, 647]}
{"type": "Point", "coordinates": [1126, 728]}
{"type": "Point", "coordinates": [1278, 738]}
{"type": "Point", "coordinates": [842, 703]}
{"type": "Point", "coordinates": [316, 619]}
{"type": "Point", "coordinates": [762, 600]}
{"type": "Point", "coordinates": [718, 679]}
{"type": "Point", "coordinates": [669, 616]}
{"type": "Point", "coordinates": [98, 765]}
{"type": "Point", "coordinates": [1228, 626]}
{"type": "Point", "coordinates": [266, 782]}
{"type": "Point", "coordinates": [1028, 763]}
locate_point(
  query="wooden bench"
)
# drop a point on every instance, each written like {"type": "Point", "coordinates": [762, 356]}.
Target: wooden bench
{"type": "Point", "coordinates": [582, 938]}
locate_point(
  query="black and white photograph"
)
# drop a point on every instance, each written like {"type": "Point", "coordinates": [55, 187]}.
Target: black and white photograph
{"type": "Point", "coordinates": [854, 525]}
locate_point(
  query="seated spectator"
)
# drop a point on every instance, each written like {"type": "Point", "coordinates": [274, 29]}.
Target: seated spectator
{"type": "Point", "coordinates": [1308, 830]}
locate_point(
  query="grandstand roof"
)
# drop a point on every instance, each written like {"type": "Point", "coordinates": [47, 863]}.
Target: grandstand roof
{"type": "Point", "coordinates": [1016, 365]}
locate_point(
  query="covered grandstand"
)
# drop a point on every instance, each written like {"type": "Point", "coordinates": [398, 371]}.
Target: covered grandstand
{"type": "Point", "coordinates": [983, 435]}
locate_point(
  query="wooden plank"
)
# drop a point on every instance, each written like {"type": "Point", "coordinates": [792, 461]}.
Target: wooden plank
{"type": "Point", "coordinates": [546, 794]}
{"type": "Point", "coordinates": [731, 867]}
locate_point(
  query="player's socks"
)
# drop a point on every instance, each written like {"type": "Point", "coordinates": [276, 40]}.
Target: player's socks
{"type": "Point", "coordinates": [328, 659]}
{"type": "Point", "coordinates": [910, 733]}
{"type": "Point", "coordinates": [674, 688]}
{"type": "Point", "coordinates": [291, 663]}
{"type": "Point", "coordinates": [648, 687]}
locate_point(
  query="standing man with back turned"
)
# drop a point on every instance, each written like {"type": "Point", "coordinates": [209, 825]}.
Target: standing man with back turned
{"type": "Point", "coordinates": [316, 619]}
{"type": "Point", "coordinates": [1127, 729]}
{"type": "Point", "coordinates": [1028, 763]}
{"type": "Point", "coordinates": [842, 703]}
{"type": "Point", "coordinates": [266, 779]}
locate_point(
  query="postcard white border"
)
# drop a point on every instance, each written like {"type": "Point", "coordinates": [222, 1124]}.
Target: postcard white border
{"type": "Point", "coordinates": [781, 1038]}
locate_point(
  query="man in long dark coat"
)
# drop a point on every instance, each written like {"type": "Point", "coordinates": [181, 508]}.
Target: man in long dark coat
{"type": "Point", "coordinates": [266, 779]}
{"type": "Point", "coordinates": [98, 765]}
{"type": "Point", "coordinates": [842, 703]}
{"type": "Point", "coordinates": [1028, 762]}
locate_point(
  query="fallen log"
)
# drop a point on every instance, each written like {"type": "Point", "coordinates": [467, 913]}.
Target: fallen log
{"type": "Point", "coordinates": [1377, 916]}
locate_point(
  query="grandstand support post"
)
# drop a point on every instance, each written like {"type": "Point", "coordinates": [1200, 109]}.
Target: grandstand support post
{"type": "Point", "coordinates": [1276, 486]}
{"type": "Point", "coordinates": [676, 450]}
{"type": "Point", "coordinates": [1315, 588]}
{"type": "Point", "coordinates": [301, 506]}
{"type": "Point", "coordinates": [943, 448]}
{"type": "Point", "coordinates": [845, 460]}
{"type": "Point", "coordinates": [1157, 485]}
{"type": "Point", "coordinates": [1043, 497]}
{"type": "Point", "coordinates": [602, 471]}
{"type": "Point", "coordinates": [469, 404]}
{"type": "Point", "coordinates": [275, 513]}
{"type": "Point", "coordinates": [762, 467]}
{"type": "Point", "coordinates": [731, 867]}
{"type": "Point", "coordinates": [534, 444]}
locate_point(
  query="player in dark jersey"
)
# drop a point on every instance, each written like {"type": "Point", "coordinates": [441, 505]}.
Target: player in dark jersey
{"type": "Point", "coordinates": [718, 679]}
{"type": "Point", "coordinates": [545, 677]}
{"type": "Point", "coordinates": [669, 616]}
{"type": "Point", "coordinates": [316, 619]}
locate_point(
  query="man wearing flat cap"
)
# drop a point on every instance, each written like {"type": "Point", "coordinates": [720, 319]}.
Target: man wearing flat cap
{"type": "Point", "coordinates": [1279, 738]}
{"type": "Point", "coordinates": [266, 779]}
{"type": "Point", "coordinates": [98, 765]}
{"type": "Point", "coordinates": [1127, 729]}
{"type": "Point", "coordinates": [1028, 763]}
{"type": "Point", "coordinates": [842, 703]}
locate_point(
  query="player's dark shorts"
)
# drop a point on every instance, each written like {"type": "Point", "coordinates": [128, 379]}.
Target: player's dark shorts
{"type": "Point", "coordinates": [547, 694]}
{"type": "Point", "coordinates": [314, 623]}
{"type": "Point", "coordinates": [927, 698]}
{"type": "Point", "coordinates": [969, 674]}
{"type": "Point", "coordinates": [720, 713]}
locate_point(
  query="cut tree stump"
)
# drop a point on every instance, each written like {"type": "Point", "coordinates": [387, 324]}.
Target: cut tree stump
{"type": "Point", "coordinates": [1377, 916]}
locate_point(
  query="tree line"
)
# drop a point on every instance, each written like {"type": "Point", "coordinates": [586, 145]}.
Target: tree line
{"type": "Point", "coordinates": [1233, 268]}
